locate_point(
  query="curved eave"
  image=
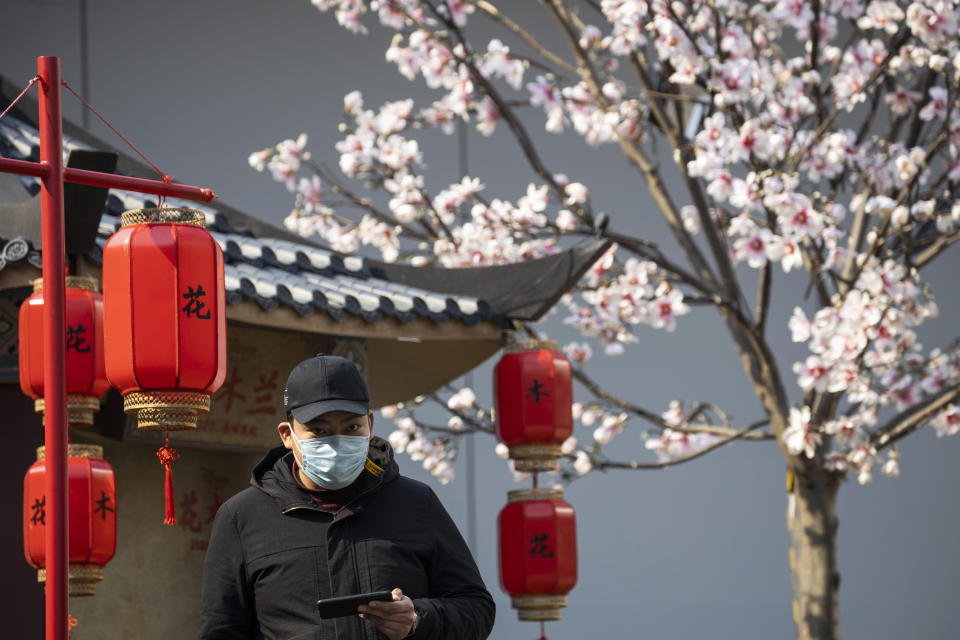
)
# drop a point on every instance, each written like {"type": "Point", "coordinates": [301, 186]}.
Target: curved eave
{"type": "Point", "coordinates": [418, 330]}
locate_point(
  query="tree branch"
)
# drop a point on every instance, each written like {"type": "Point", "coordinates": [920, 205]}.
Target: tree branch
{"type": "Point", "coordinates": [939, 246]}
{"type": "Point", "coordinates": [516, 127]}
{"type": "Point", "coordinates": [364, 203]}
{"type": "Point", "coordinates": [493, 13]}
{"type": "Point", "coordinates": [655, 419]}
{"type": "Point", "coordinates": [911, 419]}
{"type": "Point", "coordinates": [764, 287]}
{"type": "Point", "coordinates": [743, 433]}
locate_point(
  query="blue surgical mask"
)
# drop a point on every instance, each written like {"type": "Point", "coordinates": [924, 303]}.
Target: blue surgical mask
{"type": "Point", "coordinates": [333, 462]}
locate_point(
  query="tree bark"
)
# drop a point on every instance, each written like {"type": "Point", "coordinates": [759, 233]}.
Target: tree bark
{"type": "Point", "coordinates": [812, 524]}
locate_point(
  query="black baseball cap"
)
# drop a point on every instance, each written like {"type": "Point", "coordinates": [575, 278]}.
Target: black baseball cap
{"type": "Point", "coordinates": [322, 384]}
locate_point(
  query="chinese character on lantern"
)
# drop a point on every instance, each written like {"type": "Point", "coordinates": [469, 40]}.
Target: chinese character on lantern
{"type": "Point", "coordinates": [538, 552]}
{"type": "Point", "coordinates": [86, 377]}
{"type": "Point", "coordinates": [92, 513]}
{"type": "Point", "coordinates": [164, 322]}
{"type": "Point", "coordinates": [534, 397]}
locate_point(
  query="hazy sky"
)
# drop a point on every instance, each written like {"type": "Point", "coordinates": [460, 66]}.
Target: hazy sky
{"type": "Point", "coordinates": [695, 551]}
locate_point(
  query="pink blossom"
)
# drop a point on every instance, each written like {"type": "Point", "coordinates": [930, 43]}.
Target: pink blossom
{"type": "Point", "coordinates": [443, 472]}
{"type": "Point", "coordinates": [582, 464]}
{"type": "Point", "coordinates": [799, 326]}
{"type": "Point", "coordinates": [578, 351]}
{"type": "Point", "coordinates": [463, 399]}
{"type": "Point", "coordinates": [892, 465]}
{"type": "Point", "coordinates": [812, 374]}
{"type": "Point", "coordinates": [753, 247]}
{"type": "Point", "coordinates": [666, 306]}
{"type": "Point", "coordinates": [566, 220]}
{"type": "Point", "coordinates": [799, 437]}
{"type": "Point", "coordinates": [389, 411]}
{"type": "Point", "coordinates": [487, 116]}
{"type": "Point", "coordinates": [399, 440]}
{"type": "Point", "coordinates": [947, 422]}
{"type": "Point", "coordinates": [901, 101]}
{"type": "Point", "coordinates": [459, 10]}
{"type": "Point", "coordinates": [674, 416]}
{"type": "Point", "coordinates": [936, 108]}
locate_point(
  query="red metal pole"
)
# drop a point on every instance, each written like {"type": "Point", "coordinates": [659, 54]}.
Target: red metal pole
{"type": "Point", "coordinates": [109, 180]}
{"type": "Point", "coordinates": [141, 185]}
{"type": "Point", "coordinates": [23, 167]}
{"type": "Point", "coordinates": [54, 345]}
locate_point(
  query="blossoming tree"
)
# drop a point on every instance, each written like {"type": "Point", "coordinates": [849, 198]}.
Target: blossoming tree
{"type": "Point", "coordinates": [818, 140]}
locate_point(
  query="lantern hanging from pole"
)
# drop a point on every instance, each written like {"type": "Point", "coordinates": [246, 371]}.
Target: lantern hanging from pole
{"type": "Point", "coordinates": [164, 317]}
{"type": "Point", "coordinates": [92, 510]}
{"type": "Point", "coordinates": [538, 552]}
{"type": "Point", "coordinates": [164, 322]}
{"type": "Point", "coordinates": [85, 371]}
{"type": "Point", "coordinates": [534, 398]}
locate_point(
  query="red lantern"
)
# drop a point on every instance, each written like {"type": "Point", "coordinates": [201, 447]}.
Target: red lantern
{"type": "Point", "coordinates": [538, 552]}
{"type": "Point", "coordinates": [85, 375]}
{"type": "Point", "coordinates": [533, 396]}
{"type": "Point", "coordinates": [164, 317]}
{"type": "Point", "coordinates": [165, 325]}
{"type": "Point", "coordinates": [92, 505]}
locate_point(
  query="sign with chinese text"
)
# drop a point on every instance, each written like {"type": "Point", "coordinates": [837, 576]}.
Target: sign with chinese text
{"type": "Point", "coordinates": [246, 410]}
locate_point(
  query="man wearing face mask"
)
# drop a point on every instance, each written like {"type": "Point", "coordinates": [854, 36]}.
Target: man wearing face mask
{"type": "Point", "coordinates": [329, 515]}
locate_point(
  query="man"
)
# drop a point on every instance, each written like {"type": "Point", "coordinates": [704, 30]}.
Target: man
{"type": "Point", "coordinates": [329, 515]}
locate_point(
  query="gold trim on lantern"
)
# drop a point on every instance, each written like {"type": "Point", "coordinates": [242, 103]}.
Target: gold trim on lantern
{"type": "Point", "coordinates": [80, 408]}
{"type": "Point", "coordinates": [535, 457]}
{"type": "Point", "coordinates": [164, 216]}
{"type": "Point", "coordinates": [76, 451]}
{"type": "Point", "coordinates": [518, 346]}
{"type": "Point", "coordinates": [532, 607]}
{"type": "Point", "coordinates": [540, 493]}
{"type": "Point", "coordinates": [82, 579]}
{"type": "Point", "coordinates": [166, 410]}
{"type": "Point", "coordinates": [72, 282]}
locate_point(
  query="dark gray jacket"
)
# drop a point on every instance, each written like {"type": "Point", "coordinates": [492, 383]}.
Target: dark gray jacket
{"type": "Point", "coordinates": [273, 553]}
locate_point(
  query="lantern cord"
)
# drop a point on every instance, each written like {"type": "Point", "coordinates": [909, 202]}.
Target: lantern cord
{"type": "Point", "coordinates": [22, 93]}
{"type": "Point", "coordinates": [167, 455]}
{"type": "Point", "coordinates": [166, 178]}
{"type": "Point", "coordinates": [71, 623]}
{"type": "Point", "coordinates": [543, 633]}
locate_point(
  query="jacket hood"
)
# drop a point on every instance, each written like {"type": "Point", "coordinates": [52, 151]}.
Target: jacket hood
{"type": "Point", "coordinates": [273, 474]}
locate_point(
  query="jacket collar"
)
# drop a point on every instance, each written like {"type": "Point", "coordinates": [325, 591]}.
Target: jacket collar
{"type": "Point", "coordinates": [273, 476]}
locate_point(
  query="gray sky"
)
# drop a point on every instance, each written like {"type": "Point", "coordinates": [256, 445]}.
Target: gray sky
{"type": "Point", "coordinates": [695, 551]}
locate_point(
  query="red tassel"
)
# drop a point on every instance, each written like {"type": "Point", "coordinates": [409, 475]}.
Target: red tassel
{"type": "Point", "coordinates": [167, 455]}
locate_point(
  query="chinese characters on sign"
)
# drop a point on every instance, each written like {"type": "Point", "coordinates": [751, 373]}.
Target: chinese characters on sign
{"type": "Point", "coordinates": [198, 507]}
{"type": "Point", "coordinates": [75, 339]}
{"type": "Point", "coordinates": [245, 411]}
{"type": "Point", "coordinates": [194, 304]}
{"type": "Point", "coordinates": [39, 512]}
{"type": "Point", "coordinates": [266, 395]}
{"type": "Point", "coordinates": [536, 390]}
{"type": "Point", "coordinates": [539, 546]}
{"type": "Point", "coordinates": [103, 505]}
{"type": "Point", "coordinates": [39, 508]}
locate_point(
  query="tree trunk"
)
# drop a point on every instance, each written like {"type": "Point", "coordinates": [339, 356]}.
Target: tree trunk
{"type": "Point", "coordinates": [812, 523]}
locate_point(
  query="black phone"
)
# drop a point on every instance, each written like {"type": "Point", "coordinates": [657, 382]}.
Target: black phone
{"type": "Point", "coordinates": [347, 605]}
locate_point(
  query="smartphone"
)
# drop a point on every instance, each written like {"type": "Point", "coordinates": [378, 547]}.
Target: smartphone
{"type": "Point", "coordinates": [347, 605]}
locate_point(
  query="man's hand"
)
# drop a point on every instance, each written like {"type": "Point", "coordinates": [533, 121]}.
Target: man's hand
{"type": "Point", "coordinates": [393, 619]}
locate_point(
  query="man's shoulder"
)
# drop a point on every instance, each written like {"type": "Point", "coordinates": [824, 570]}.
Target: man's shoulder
{"type": "Point", "coordinates": [405, 490]}
{"type": "Point", "coordinates": [409, 485]}
{"type": "Point", "coordinates": [247, 500]}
